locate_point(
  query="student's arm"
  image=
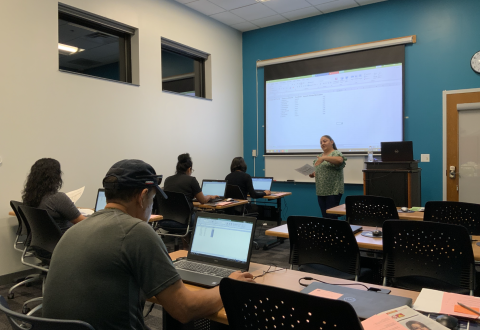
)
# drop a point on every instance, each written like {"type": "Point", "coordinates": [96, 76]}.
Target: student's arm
{"type": "Point", "coordinates": [185, 305]}
{"type": "Point", "coordinates": [204, 199]}
{"type": "Point", "coordinates": [78, 219]}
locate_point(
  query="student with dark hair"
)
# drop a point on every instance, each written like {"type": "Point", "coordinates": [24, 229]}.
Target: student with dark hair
{"type": "Point", "coordinates": [329, 176]}
{"type": "Point", "coordinates": [239, 177]}
{"type": "Point", "coordinates": [104, 269]}
{"type": "Point", "coordinates": [42, 191]}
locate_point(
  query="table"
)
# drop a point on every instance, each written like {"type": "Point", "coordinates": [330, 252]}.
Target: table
{"type": "Point", "coordinates": [287, 279]}
{"type": "Point", "coordinates": [153, 217]}
{"type": "Point", "coordinates": [341, 210]}
{"type": "Point", "coordinates": [370, 243]}
{"type": "Point", "coordinates": [214, 206]}
{"type": "Point", "coordinates": [276, 195]}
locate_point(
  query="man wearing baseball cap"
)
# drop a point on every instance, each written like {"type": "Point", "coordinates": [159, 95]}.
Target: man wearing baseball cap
{"type": "Point", "coordinates": [104, 268]}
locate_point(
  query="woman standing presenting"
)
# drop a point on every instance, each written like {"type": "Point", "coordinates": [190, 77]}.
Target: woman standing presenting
{"type": "Point", "coordinates": [329, 176]}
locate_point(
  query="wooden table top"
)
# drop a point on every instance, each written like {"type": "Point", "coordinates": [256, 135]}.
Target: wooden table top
{"type": "Point", "coordinates": [341, 210]}
{"type": "Point", "coordinates": [214, 206]}
{"type": "Point", "coordinates": [372, 243]}
{"type": "Point", "coordinates": [153, 217]}
{"type": "Point", "coordinates": [277, 195]}
{"type": "Point", "coordinates": [287, 279]}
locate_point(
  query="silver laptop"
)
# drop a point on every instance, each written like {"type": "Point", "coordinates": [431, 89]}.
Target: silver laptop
{"type": "Point", "coordinates": [214, 188]}
{"type": "Point", "coordinates": [260, 184]}
{"type": "Point", "coordinates": [221, 245]}
{"type": "Point", "coordinates": [101, 200]}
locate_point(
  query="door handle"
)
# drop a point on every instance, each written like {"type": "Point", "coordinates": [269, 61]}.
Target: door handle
{"type": "Point", "coordinates": [452, 173]}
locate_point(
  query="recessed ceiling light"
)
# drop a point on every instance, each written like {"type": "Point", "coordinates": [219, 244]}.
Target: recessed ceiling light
{"type": "Point", "coordinates": [68, 50]}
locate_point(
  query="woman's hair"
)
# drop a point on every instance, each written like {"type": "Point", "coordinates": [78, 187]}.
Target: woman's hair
{"type": "Point", "coordinates": [184, 163]}
{"type": "Point", "coordinates": [410, 324]}
{"type": "Point", "coordinates": [330, 138]}
{"type": "Point", "coordinates": [238, 164]}
{"type": "Point", "coordinates": [45, 178]}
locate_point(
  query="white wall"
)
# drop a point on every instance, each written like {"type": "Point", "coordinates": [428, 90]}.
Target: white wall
{"type": "Point", "coordinates": [89, 124]}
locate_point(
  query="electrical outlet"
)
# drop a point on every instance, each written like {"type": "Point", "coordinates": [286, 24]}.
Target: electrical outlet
{"type": "Point", "coordinates": [425, 158]}
{"type": "Point", "coordinates": [254, 153]}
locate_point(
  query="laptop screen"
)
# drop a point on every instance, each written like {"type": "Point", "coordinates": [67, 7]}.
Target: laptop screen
{"type": "Point", "coordinates": [101, 200]}
{"type": "Point", "coordinates": [214, 188]}
{"type": "Point", "coordinates": [222, 238]}
{"type": "Point", "coordinates": [262, 183]}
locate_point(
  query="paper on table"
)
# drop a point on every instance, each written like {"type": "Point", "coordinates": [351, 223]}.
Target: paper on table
{"type": "Point", "coordinates": [460, 309]}
{"type": "Point", "coordinates": [223, 203]}
{"type": "Point", "coordinates": [75, 194]}
{"type": "Point", "coordinates": [381, 321]}
{"type": "Point", "coordinates": [325, 294]}
{"type": "Point", "coordinates": [429, 301]}
{"type": "Point", "coordinates": [86, 212]}
{"type": "Point", "coordinates": [405, 314]}
{"type": "Point", "coordinates": [450, 300]}
{"type": "Point", "coordinates": [305, 169]}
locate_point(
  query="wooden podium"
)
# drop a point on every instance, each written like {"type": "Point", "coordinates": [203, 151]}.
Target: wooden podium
{"type": "Point", "coordinates": [401, 181]}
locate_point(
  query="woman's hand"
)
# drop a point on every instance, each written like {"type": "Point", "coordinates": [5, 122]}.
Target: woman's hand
{"type": "Point", "coordinates": [320, 159]}
{"type": "Point", "coordinates": [267, 192]}
{"type": "Point", "coordinates": [312, 175]}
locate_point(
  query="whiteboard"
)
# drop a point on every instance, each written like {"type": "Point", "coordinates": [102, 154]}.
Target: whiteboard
{"type": "Point", "coordinates": [282, 168]}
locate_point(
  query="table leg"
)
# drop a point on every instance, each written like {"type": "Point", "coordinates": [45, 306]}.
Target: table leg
{"type": "Point", "coordinates": [278, 216]}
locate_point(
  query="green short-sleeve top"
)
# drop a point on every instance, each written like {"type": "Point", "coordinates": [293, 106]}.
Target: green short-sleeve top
{"type": "Point", "coordinates": [329, 177]}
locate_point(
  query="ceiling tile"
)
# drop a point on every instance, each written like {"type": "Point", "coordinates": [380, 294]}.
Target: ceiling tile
{"type": "Point", "coordinates": [271, 20]}
{"type": "Point", "coordinates": [283, 6]}
{"type": "Point", "coordinates": [228, 18]}
{"type": "Point", "coordinates": [205, 7]}
{"type": "Point", "coordinates": [337, 5]}
{"type": "Point", "coordinates": [245, 26]}
{"type": "Point", "coordinates": [302, 13]}
{"type": "Point", "coordinates": [253, 12]}
{"type": "Point", "coordinates": [319, 2]}
{"type": "Point", "coordinates": [185, 1]}
{"type": "Point", "coordinates": [367, 2]}
{"type": "Point", "coordinates": [232, 4]}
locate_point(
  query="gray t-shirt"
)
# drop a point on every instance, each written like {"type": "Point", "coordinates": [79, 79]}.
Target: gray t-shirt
{"type": "Point", "coordinates": [61, 209]}
{"type": "Point", "coordinates": [104, 268]}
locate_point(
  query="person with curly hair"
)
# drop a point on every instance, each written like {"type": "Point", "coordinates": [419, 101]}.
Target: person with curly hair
{"type": "Point", "coordinates": [42, 191]}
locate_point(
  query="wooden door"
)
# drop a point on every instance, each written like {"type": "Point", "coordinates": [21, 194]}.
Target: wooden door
{"type": "Point", "coordinates": [452, 137]}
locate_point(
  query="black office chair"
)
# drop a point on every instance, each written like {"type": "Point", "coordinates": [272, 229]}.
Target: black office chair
{"type": "Point", "coordinates": [454, 213]}
{"type": "Point", "coordinates": [235, 192]}
{"type": "Point", "coordinates": [326, 247]}
{"type": "Point", "coordinates": [424, 254]}
{"type": "Point", "coordinates": [257, 306]}
{"type": "Point", "coordinates": [175, 208]}
{"type": "Point", "coordinates": [21, 322]}
{"type": "Point", "coordinates": [23, 232]}
{"type": "Point", "coordinates": [45, 235]}
{"type": "Point", "coordinates": [365, 210]}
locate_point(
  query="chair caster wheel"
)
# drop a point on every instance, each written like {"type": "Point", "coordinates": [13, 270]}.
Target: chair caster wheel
{"type": "Point", "coordinates": [11, 295]}
{"type": "Point", "coordinates": [25, 310]}
{"type": "Point", "coordinates": [257, 247]}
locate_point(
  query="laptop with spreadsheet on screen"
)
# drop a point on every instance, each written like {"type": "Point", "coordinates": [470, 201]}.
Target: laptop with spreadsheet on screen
{"type": "Point", "coordinates": [101, 200]}
{"type": "Point", "coordinates": [221, 245]}
{"type": "Point", "coordinates": [214, 188]}
{"type": "Point", "coordinates": [261, 184]}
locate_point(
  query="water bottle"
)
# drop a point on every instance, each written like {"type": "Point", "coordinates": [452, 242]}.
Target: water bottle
{"type": "Point", "coordinates": [370, 154]}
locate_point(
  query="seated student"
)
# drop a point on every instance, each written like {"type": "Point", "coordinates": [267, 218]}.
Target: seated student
{"type": "Point", "coordinates": [104, 268]}
{"type": "Point", "coordinates": [42, 191]}
{"type": "Point", "coordinates": [239, 177]}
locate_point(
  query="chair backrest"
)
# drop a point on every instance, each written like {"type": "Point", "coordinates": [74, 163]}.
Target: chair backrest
{"type": "Point", "coordinates": [257, 306]}
{"type": "Point", "coordinates": [454, 213]}
{"type": "Point", "coordinates": [23, 227]}
{"type": "Point", "coordinates": [323, 241]}
{"type": "Point", "coordinates": [45, 232]}
{"type": "Point", "coordinates": [369, 210]}
{"type": "Point", "coordinates": [425, 249]}
{"type": "Point", "coordinates": [234, 192]}
{"type": "Point", "coordinates": [21, 322]}
{"type": "Point", "coordinates": [175, 208]}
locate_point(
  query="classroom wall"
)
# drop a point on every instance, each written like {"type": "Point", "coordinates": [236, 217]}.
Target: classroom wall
{"type": "Point", "coordinates": [88, 124]}
{"type": "Point", "coordinates": [447, 37]}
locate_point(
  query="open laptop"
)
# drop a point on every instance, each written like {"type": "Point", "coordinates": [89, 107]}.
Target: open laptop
{"type": "Point", "coordinates": [356, 229]}
{"type": "Point", "coordinates": [101, 200]}
{"type": "Point", "coordinates": [215, 188]}
{"type": "Point", "coordinates": [261, 184]}
{"type": "Point", "coordinates": [221, 245]}
{"type": "Point", "coordinates": [401, 151]}
{"type": "Point", "coordinates": [365, 303]}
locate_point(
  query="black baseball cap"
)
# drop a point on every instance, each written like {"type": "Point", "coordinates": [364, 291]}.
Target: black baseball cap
{"type": "Point", "coordinates": [133, 173]}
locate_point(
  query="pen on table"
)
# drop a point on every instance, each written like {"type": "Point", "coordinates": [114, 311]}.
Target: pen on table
{"type": "Point", "coordinates": [470, 309]}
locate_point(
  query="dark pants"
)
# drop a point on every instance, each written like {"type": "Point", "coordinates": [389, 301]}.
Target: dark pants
{"type": "Point", "coordinates": [327, 202]}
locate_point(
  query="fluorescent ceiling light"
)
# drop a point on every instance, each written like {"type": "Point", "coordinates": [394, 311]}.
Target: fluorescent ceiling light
{"type": "Point", "coordinates": [68, 50]}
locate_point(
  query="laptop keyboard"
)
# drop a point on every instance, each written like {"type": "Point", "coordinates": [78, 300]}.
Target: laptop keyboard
{"type": "Point", "coordinates": [202, 268]}
{"type": "Point", "coordinates": [214, 200]}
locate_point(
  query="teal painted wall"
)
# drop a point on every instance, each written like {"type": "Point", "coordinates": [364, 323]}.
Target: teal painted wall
{"type": "Point", "coordinates": [448, 34]}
